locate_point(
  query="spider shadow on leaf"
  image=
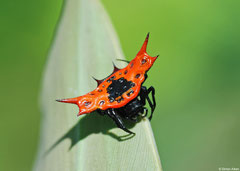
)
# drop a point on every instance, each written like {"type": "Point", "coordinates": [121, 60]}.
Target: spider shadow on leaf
{"type": "Point", "coordinates": [92, 123]}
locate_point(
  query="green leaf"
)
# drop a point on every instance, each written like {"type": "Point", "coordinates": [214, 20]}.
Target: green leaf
{"type": "Point", "coordinates": [85, 45]}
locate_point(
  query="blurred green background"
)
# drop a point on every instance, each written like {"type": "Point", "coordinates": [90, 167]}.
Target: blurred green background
{"type": "Point", "coordinates": [197, 77]}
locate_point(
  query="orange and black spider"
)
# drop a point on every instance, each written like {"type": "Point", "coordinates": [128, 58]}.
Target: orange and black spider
{"type": "Point", "coordinates": [121, 95]}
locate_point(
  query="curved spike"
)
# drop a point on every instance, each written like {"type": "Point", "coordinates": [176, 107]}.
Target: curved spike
{"type": "Point", "coordinates": [98, 81]}
{"type": "Point", "coordinates": [70, 100]}
{"type": "Point", "coordinates": [144, 46]}
{"type": "Point", "coordinates": [156, 56]}
{"type": "Point", "coordinates": [152, 59]}
{"type": "Point", "coordinates": [115, 69]}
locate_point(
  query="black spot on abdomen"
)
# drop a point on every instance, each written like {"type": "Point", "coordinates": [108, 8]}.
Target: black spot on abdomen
{"type": "Point", "coordinates": [118, 87]}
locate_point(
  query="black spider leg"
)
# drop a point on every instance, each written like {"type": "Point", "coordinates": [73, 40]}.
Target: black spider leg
{"type": "Point", "coordinates": [117, 119]}
{"type": "Point", "coordinates": [144, 94]}
{"type": "Point", "coordinates": [153, 106]}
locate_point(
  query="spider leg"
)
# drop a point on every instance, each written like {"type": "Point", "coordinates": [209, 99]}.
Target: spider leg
{"type": "Point", "coordinates": [117, 119]}
{"type": "Point", "coordinates": [144, 94]}
{"type": "Point", "coordinates": [152, 105]}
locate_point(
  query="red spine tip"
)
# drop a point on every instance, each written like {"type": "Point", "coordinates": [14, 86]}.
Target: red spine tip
{"type": "Point", "coordinates": [144, 46]}
{"type": "Point", "coordinates": [147, 36]}
{"type": "Point", "coordinates": [98, 81]}
{"type": "Point", "coordinates": [72, 100]}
